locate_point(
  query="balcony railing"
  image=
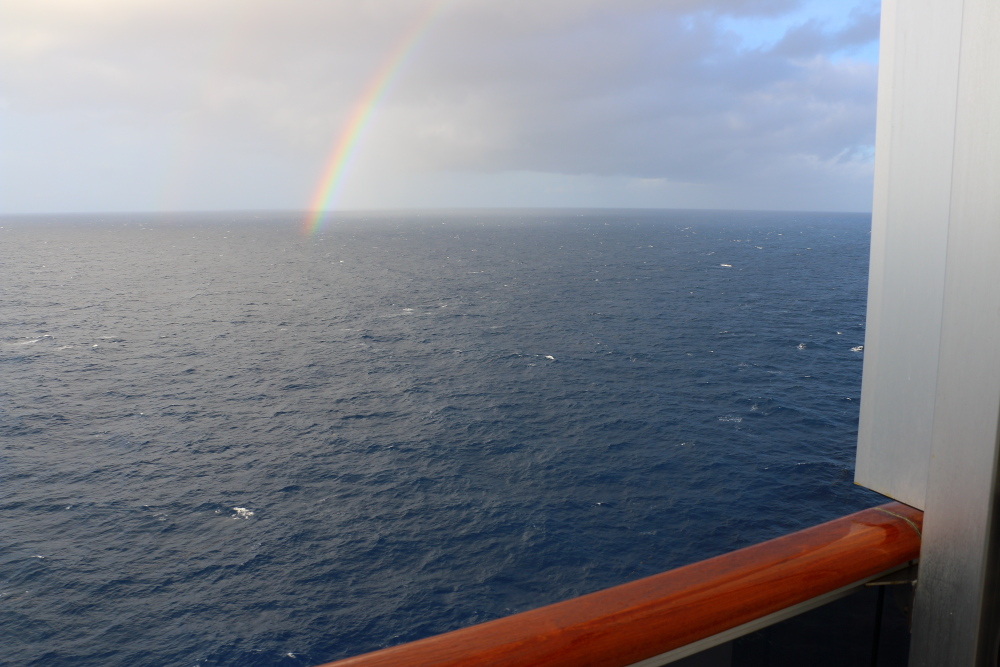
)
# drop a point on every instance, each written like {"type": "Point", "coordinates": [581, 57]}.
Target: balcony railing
{"type": "Point", "coordinates": [668, 616]}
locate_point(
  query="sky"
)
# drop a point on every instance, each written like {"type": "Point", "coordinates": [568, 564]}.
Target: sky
{"type": "Point", "coordinates": [179, 105]}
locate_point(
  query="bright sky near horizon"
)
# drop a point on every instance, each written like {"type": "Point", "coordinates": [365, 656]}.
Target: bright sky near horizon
{"type": "Point", "coordinates": [162, 105]}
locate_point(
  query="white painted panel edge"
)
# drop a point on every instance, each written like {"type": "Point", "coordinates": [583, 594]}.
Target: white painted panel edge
{"type": "Point", "coordinates": [918, 79]}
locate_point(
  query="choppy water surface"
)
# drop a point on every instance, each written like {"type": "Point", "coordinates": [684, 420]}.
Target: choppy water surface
{"type": "Point", "coordinates": [224, 443]}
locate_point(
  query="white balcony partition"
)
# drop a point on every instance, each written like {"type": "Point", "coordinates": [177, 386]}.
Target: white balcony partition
{"type": "Point", "coordinates": [930, 414]}
{"type": "Point", "coordinates": [914, 147]}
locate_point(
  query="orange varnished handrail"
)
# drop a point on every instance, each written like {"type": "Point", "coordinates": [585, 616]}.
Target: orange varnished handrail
{"type": "Point", "coordinates": [641, 619]}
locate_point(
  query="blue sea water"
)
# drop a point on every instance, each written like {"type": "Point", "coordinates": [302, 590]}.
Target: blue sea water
{"type": "Point", "coordinates": [226, 443]}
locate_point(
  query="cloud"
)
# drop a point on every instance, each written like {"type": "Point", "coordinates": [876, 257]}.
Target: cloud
{"type": "Point", "coordinates": [811, 39]}
{"type": "Point", "coordinates": [653, 94]}
{"type": "Point", "coordinates": [632, 91]}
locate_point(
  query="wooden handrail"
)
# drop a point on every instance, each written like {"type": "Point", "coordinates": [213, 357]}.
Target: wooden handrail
{"type": "Point", "coordinates": [632, 622]}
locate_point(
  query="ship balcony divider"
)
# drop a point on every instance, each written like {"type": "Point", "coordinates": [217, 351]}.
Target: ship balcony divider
{"type": "Point", "coordinates": [683, 612]}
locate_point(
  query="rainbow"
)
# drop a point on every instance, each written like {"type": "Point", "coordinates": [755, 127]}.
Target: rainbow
{"type": "Point", "coordinates": [346, 146]}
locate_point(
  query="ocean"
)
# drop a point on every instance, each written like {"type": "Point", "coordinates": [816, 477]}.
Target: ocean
{"type": "Point", "coordinates": [223, 442]}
